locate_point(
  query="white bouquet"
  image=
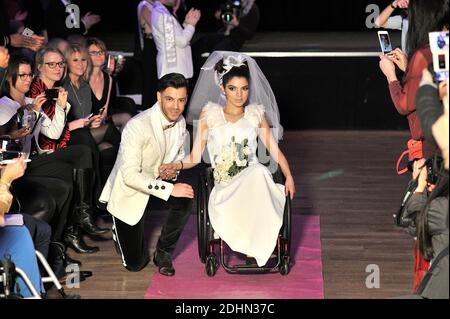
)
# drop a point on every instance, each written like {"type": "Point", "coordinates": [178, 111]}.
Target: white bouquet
{"type": "Point", "coordinates": [232, 160]}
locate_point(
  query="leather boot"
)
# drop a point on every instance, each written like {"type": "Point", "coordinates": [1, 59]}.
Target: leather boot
{"type": "Point", "coordinates": [83, 205]}
{"type": "Point", "coordinates": [74, 240]}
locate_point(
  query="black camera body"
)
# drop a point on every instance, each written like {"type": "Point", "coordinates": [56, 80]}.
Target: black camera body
{"type": "Point", "coordinates": [51, 94]}
{"type": "Point", "coordinates": [433, 166]}
{"type": "Point", "coordinates": [229, 9]}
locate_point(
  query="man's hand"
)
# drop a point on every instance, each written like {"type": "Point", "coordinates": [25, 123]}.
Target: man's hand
{"type": "Point", "coordinates": [168, 172]}
{"type": "Point", "coordinates": [182, 190]}
{"type": "Point", "coordinates": [4, 57]}
{"type": "Point", "coordinates": [193, 16]}
{"type": "Point", "coordinates": [90, 19]}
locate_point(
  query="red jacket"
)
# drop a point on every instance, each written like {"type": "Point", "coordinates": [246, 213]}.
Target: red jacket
{"type": "Point", "coordinates": [404, 97]}
{"type": "Point", "coordinates": [37, 87]}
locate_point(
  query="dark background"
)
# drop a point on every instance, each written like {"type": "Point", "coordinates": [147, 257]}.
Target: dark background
{"type": "Point", "coordinates": [276, 15]}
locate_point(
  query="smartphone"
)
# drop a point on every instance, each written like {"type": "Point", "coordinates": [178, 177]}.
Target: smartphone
{"type": "Point", "coordinates": [51, 94]}
{"type": "Point", "coordinates": [89, 116]}
{"type": "Point", "coordinates": [385, 42]}
{"type": "Point", "coordinates": [101, 111]}
{"type": "Point", "coordinates": [439, 45]}
{"type": "Point", "coordinates": [27, 32]}
{"type": "Point", "coordinates": [110, 57]}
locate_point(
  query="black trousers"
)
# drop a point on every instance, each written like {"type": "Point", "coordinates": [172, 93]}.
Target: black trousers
{"type": "Point", "coordinates": [130, 240]}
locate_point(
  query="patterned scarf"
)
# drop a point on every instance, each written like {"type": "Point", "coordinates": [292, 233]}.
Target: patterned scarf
{"type": "Point", "coordinates": [49, 108]}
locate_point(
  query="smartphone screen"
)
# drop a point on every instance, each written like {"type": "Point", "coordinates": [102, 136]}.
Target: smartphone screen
{"type": "Point", "coordinates": [385, 42]}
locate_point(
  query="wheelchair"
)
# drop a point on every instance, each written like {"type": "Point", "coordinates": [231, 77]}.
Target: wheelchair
{"type": "Point", "coordinates": [207, 241]}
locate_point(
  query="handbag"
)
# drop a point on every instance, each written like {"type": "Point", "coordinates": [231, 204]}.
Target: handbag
{"type": "Point", "coordinates": [414, 151]}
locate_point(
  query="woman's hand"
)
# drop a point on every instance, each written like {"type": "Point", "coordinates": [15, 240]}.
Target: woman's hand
{"type": "Point", "coordinates": [96, 121]}
{"type": "Point", "coordinates": [11, 172]}
{"type": "Point", "coordinates": [39, 100]}
{"type": "Point", "coordinates": [62, 98]}
{"type": "Point", "coordinates": [388, 68]}
{"type": "Point", "coordinates": [290, 186]}
{"type": "Point", "coordinates": [19, 134]}
{"type": "Point", "coordinates": [420, 173]}
{"type": "Point", "coordinates": [399, 58]}
{"type": "Point", "coordinates": [80, 123]}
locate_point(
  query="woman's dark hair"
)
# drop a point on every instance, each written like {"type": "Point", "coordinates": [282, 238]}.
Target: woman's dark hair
{"type": "Point", "coordinates": [425, 16]}
{"type": "Point", "coordinates": [173, 80]}
{"type": "Point", "coordinates": [423, 234]}
{"type": "Point", "coordinates": [237, 71]}
{"type": "Point", "coordinates": [13, 69]}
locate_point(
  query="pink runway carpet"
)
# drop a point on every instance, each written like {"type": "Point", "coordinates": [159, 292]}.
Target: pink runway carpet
{"type": "Point", "coordinates": [191, 282]}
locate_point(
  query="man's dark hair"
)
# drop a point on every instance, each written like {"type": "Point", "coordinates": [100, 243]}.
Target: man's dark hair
{"type": "Point", "coordinates": [173, 80]}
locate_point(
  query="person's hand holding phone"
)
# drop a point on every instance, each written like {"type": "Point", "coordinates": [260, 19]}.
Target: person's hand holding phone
{"type": "Point", "coordinates": [39, 100]}
{"type": "Point", "coordinates": [62, 98]}
{"type": "Point", "coordinates": [13, 171]}
{"type": "Point", "coordinates": [96, 121]}
{"type": "Point", "coordinates": [388, 68]}
{"type": "Point", "coordinates": [80, 123]}
{"type": "Point", "coordinates": [399, 58]}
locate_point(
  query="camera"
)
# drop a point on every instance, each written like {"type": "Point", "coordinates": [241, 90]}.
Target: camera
{"type": "Point", "coordinates": [10, 149]}
{"type": "Point", "coordinates": [433, 166]}
{"type": "Point", "coordinates": [439, 45]}
{"type": "Point", "coordinates": [229, 9]}
{"type": "Point", "coordinates": [51, 94]}
{"type": "Point", "coordinates": [25, 118]}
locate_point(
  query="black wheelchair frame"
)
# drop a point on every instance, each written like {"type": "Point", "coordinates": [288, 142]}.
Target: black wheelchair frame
{"type": "Point", "coordinates": [207, 242]}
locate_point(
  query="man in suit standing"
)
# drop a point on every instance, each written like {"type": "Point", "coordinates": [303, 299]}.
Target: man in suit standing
{"type": "Point", "coordinates": [151, 138]}
{"type": "Point", "coordinates": [173, 40]}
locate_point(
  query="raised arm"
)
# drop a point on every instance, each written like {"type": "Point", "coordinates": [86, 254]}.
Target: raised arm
{"type": "Point", "coordinates": [272, 146]}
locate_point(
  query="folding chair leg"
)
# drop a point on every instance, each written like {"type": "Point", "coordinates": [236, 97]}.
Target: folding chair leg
{"type": "Point", "coordinates": [29, 284]}
{"type": "Point", "coordinates": [51, 275]}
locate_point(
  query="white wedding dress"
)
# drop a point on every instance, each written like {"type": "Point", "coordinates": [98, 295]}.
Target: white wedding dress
{"type": "Point", "coordinates": [246, 212]}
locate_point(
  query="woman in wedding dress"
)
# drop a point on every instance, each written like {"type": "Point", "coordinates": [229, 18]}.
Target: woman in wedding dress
{"type": "Point", "coordinates": [245, 207]}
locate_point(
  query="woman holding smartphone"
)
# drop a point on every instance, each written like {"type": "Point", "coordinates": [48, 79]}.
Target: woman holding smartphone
{"type": "Point", "coordinates": [77, 159]}
{"type": "Point", "coordinates": [101, 84]}
{"type": "Point", "coordinates": [86, 121]}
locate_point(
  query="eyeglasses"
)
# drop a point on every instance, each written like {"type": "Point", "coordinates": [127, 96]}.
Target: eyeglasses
{"type": "Point", "coordinates": [96, 53]}
{"type": "Point", "coordinates": [79, 60]}
{"type": "Point", "coordinates": [53, 65]}
{"type": "Point", "coordinates": [24, 76]}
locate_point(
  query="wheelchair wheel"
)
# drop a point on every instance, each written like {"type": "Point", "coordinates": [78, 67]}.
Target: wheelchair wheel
{"type": "Point", "coordinates": [202, 220]}
{"type": "Point", "coordinates": [287, 221]}
{"type": "Point", "coordinates": [211, 265]}
{"type": "Point", "coordinates": [285, 266]}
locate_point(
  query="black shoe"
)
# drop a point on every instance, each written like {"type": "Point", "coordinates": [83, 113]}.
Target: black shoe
{"type": "Point", "coordinates": [75, 241]}
{"type": "Point", "coordinates": [70, 261]}
{"type": "Point", "coordinates": [82, 275]}
{"type": "Point", "coordinates": [87, 224]}
{"type": "Point", "coordinates": [164, 263]}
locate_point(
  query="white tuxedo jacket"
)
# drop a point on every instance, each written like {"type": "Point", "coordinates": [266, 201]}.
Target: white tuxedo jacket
{"type": "Point", "coordinates": [134, 176]}
{"type": "Point", "coordinates": [172, 42]}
